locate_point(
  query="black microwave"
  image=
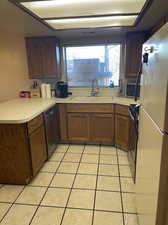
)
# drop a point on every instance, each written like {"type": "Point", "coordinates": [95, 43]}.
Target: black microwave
{"type": "Point", "coordinates": [131, 89]}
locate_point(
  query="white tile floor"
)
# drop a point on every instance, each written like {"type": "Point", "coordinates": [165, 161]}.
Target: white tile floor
{"type": "Point", "coordinates": [79, 185]}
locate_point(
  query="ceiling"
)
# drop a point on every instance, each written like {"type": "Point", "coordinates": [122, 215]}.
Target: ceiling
{"type": "Point", "coordinates": [76, 14]}
{"type": "Point", "coordinates": [13, 19]}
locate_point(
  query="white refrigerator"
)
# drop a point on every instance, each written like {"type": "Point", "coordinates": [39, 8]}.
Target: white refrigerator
{"type": "Point", "coordinates": [152, 156]}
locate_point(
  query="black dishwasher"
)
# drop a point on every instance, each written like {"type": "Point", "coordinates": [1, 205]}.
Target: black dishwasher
{"type": "Point", "coordinates": [132, 154]}
{"type": "Point", "coordinates": [51, 129]}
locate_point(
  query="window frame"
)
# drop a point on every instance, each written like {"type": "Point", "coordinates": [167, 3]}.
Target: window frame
{"type": "Point", "coordinates": [65, 74]}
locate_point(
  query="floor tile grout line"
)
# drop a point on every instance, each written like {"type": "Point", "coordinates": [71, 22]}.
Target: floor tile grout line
{"type": "Point", "coordinates": [90, 163]}
{"type": "Point", "coordinates": [48, 187]}
{"type": "Point", "coordinates": [66, 206]}
{"type": "Point", "coordinates": [78, 153]}
{"type": "Point", "coordinates": [68, 188]}
{"type": "Point", "coordinates": [97, 177]}
{"type": "Point", "coordinates": [12, 203]}
{"type": "Point", "coordinates": [88, 173]}
{"type": "Point", "coordinates": [122, 205]}
{"type": "Point", "coordinates": [62, 207]}
{"type": "Point", "coordinates": [102, 175]}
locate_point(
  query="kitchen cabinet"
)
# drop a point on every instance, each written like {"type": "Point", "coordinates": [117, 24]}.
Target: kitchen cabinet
{"type": "Point", "coordinates": [78, 127]}
{"type": "Point", "coordinates": [122, 127]}
{"type": "Point", "coordinates": [37, 149]}
{"type": "Point", "coordinates": [133, 53]}
{"type": "Point", "coordinates": [87, 123]}
{"type": "Point", "coordinates": [15, 162]}
{"type": "Point", "coordinates": [102, 128]}
{"type": "Point", "coordinates": [22, 151]}
{"type": "Point", "coordinates": [95, 123]}
{"type": "Point", "coordinates": [43, 55]}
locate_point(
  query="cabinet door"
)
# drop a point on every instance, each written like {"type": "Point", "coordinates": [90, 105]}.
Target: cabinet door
{"type": "Point", "coordinates": [134, 43]}
{"type": "Point", "coordinates": [122, 131]}
{"type": "Point", "coordinates": [43, 57]}
{"type": "Point", "coordinates": [34, 57]}
{"type": "Point", "coordinates": [78, 127]}
{"type": "Point", "coordinates": [38, 148]}
{"type": "Point", "coordinates": [102, 128]}
{"type": "Point", "coordinates": [50, 58]}
{"type": "Point", "coordinates": [15, 162]}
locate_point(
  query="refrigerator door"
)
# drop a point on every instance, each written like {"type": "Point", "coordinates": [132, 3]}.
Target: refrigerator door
{"type": "Point", "coordinates": [155, 77]}
{"type": "Point", "coordinates": [148, 169]}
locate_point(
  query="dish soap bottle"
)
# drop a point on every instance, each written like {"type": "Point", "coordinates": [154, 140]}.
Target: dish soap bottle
{"type": "Point", "coordinates": [111, 85]}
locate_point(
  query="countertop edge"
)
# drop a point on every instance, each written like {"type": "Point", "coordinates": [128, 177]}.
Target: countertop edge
{"type": "Point", "coordinates": [56, 101]}
{"type": "Point", "coordinates": [26, 120]}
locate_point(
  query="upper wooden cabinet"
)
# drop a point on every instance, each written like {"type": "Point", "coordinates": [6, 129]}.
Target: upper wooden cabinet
{"type": "Point", "coordinates": [133, 53]}
{"type": "Point", "coordinates": [43, 54]}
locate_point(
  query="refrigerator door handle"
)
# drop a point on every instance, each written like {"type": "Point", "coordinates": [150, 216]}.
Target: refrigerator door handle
{"type": "Point", "coordinates": [164, 131]}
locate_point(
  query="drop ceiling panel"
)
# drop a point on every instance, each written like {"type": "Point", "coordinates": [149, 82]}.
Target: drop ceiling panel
{"type": "Point", "coordinates": [92, 22]}
{"type": "Point", "coordinates": [70, 8]}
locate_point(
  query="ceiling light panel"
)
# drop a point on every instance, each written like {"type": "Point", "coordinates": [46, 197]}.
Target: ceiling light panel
{"type": "Point", "coordinates": [70, 8]}
{"type": "Point", "coordinates": [108, 21]}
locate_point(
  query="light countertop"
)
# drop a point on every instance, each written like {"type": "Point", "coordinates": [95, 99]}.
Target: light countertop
{"type": "Point", "coordinates": [19, 110]}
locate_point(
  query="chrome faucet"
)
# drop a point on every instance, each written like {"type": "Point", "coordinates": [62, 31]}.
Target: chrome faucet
{"type": "Point", "coordinates": [95, 88]}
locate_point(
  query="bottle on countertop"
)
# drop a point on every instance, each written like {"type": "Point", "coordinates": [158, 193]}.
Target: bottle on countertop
{"type": "Point", "coordinates": [111, 85]}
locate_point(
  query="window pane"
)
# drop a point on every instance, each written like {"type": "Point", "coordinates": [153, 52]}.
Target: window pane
{"type": "Point", "coordinates": [93, 62]}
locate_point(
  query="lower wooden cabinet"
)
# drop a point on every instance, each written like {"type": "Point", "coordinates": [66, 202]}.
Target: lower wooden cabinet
{"type": "Point", "coordinates": [95, 123]}
{"type": "Point", "coordinates": [22, 151]}
{"type": "Point", "coordinates": [78, 127]}
{"type": "Point", "coordinates": [122, 131]}
{"type": "Point", "coordinates": [15, 163]}
{"type": "Point", "coordinates": [37, 149]}
{"type": "Point", "coordinates": [91, 128]}
{"type": "Point", "coordinates": [102, 128]}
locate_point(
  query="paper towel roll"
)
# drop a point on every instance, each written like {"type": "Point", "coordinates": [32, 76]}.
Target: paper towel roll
{"type": "Point", "coordinates": [48, 90]}
{"type": "Point", "coordinates": [43, 91]}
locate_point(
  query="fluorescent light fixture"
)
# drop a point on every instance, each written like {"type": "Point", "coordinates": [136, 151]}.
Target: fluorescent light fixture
{"type": "Point", "coordinates": [69, 8]}
{"type": "Point", "coordinates": [92, 22]}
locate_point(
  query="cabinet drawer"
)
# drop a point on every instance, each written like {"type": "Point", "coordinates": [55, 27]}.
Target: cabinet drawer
{"type": "Point", "coordinates": [35, 123]}
{"type": "Point", "coordinates": [122, 109]}
{"type": "Point", "coordinates": [89, 108]}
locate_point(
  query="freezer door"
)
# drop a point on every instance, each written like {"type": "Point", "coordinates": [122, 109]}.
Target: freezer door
{"type": "Point", "coordinates": [155, 77]}
{"type": "Point", "coordinates": [148, 169]}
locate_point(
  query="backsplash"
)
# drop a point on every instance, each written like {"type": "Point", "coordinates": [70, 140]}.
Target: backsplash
{"type": "Point", "coordinates": [85, 91]}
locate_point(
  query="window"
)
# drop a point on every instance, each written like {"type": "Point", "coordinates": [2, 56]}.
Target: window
{"type": "Point", "coordinates": [86, 63]}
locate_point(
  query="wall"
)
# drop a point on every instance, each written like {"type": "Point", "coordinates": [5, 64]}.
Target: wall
{"type": "Point", "coordinates": [97, 38]}
{"type": "Point", "coordinates": [13, 65]}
